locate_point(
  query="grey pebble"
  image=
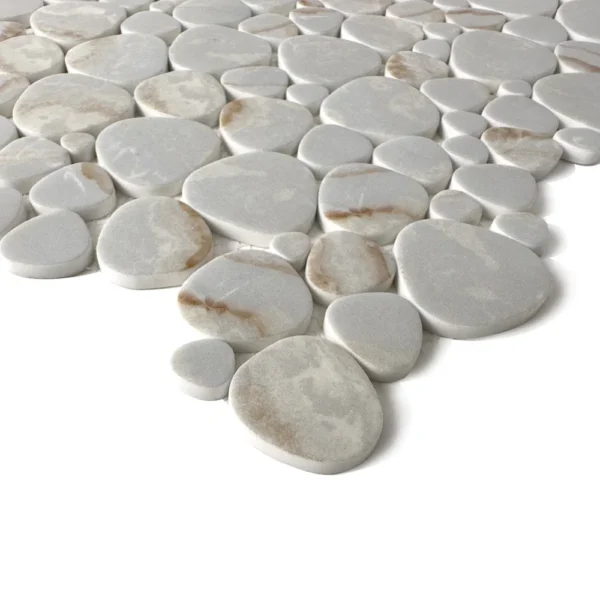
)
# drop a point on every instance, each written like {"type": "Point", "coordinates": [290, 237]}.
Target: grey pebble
{"type": "Point", "coordinates": [459, 123]}
{"type": "Point", "coordinates": [543, 30]}
{"type": "Point", "coordinates": [469, 19]}
{"type": "Point", "coordinates": [416, 11]}
{"type": "Point", "coordinates": [131, 6]}
{"type": "Point", "coordinates": [245, 82]}
{"type": "Point", "coordinates": [154, 23]}
{"type": "Point", "coordinates": [309, 95]}
{"type": "Point", "coordinates": [19, 11]}
{"type": "Point", "coordinates": [164, 6]}
{"type": "Point", "coordinates": [10, 29]}
{"type": "Point", "coordinates": [437, 49]}
{"type": "Point", "coordinates": [11, 88]}
{"type": "Point", "coordinates": [8, 132]}
{"type": "Point", "coordinates": [293, 247]}
{"type": "Point", "coordinates": [465, 150]}
{"type": "Point", "coordinates": [271, 28]}
{"type": "Point", "coordinates": [581, 19]}
{"type": "Point", "coordinates": [455, 206]}
{"type": "Point", "coordinates": [280, 7]}
{"type": "Point", "coordinates": [451, 94]}
{"type": "Point", "coordinates": [228, 13]}
{"type": "Point", "coordinates": [80, 146]}
{"type": "Point", "coordinates": [414, 68]}
{"type": "Point", "coordinates": [31, 56]}
{"type": "Point", "coordinates": [580, 146]}
{"type": "Point", "coordinates": [520, 113]}
{"type": "Point", "coordinates": [515, 9]}
{"type": "Point", "coordinates": [578, 57]}
{"type": "Point", "coordinates": [441, 31]}
{"type": "Point", "coordinates": [350, 8]}
{"type": "Point", "coordinates": [528, 230]}
{"type": "Point", "coordinates": [515, 87]}
{"type": "Point", "coordinates": [317, 21]}
{"type": "Point", "coordinates": [12, 210]}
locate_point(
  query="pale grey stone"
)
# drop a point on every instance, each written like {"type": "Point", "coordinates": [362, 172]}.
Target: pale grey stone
{"type": "Point", "coordinates": [414, 68]}
{"type": "Point", "coordinates": [80, 146]}
{"type": "Point", "coordinates": [11, 88]}
{"type": "Point", "coordinates": [249, 299]}
{"type": "Point", "coordinates": [228, 13]}
{"type": "Point", "coordinates": [152, 156]}
{"type": "Point", "coordinates": [382, 109]}
{"type": "Point", "coordinates": [8, 132]}
{"type": "Point", "coordinates": [12, 210]}
{"type": "Point", "coordinates": [131, 6]}
{"type": "Point", "coordinates": [528, 230]}
{"type": "Point", "coordinates": [317, 21]}
{"type": "Point", "coordinates": [580, 146]}
{"type": "Point", "coordinates": [342, 263]}
{"type": "Point", "coordinates": [451, 94]}
{"type": "Point", "coordinates": [543, 30]}
{"type": "Point", "coordinates": [466, 281]}
{"type": "Point", "coordinates": [578, 57]}
{"type": "Point", "coordinates": [309, 95]}
{"type": "Point", "coordinates": [350, 8]}
{"type": "Point", "coordinates": [271, 28]}
{"type": "Point", "coordinates": [31, 56]}
{"type": "Point", "coordinates": [153, 23]}
{"type": "Point", "coordinates": [48, 247]}
{"type": "Point", "coordinates": [520, 113]}
{"type": "Point", "coordinates": [307, 403]}
{"type": "Point", "coordinates": [515, 87]}
{"type": "Point", "coordinates": [19, 11]}
{"type": "Point", "coordinates": [437, 49]}
{"type": "Point", "coordinates": [515, 9]}
{"type": "Point", "coordinates": [416, 11]}
{"type": "Point", "coordinates": [253, 197]}
{"type": "Point", "coordinates": [455, 206]}
{"type": "Point", "coordinates": [204, 369]}
{"type": "Point", "coordinates": [441, 31]}
{"type": "Point", "coordinates": [466, 150]}
{"type": "Point", "coordinates": [153, 242]}
{"type": "Point", "coordinates": [459, 123]}
{"type": "Point", "coordinates": [469, 19]}
{"type": "Point", "coordinates": [446, 5]}
{"type": "Point", "coordinates": [279, 7]}
{"type": "Point", "coordinates": [245, 82]}
{"type": "Point", "coordinates": [164, 6]}
{"type": "Point", "coordinates": [581, 19]}
{"type": "Point", "coordinates": [371, 201]}
{"type": "Point", "coordinates": [10, 29]}
{"type": "Point", "coordinates": [293, 247]}
{"type": "Point", "coordinates": [498, 188]}
{"type": "Point", "coordinates": [418, 158]}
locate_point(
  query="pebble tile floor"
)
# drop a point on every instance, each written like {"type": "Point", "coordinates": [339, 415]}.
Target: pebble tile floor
{"type": "Point", "coordinates": [324, 179]}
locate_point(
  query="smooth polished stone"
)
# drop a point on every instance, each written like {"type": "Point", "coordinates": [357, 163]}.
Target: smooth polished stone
{"type": "Point", "coordinates": [124, 60]}
{"type": "Point", "coordinates": [80, 146]}
{"type": "Point", "coordinates": [317, 21]}
{"type": "Point", "coordinates": [351, 8]}
{"type": "Point", "coordinates": [31, 56]}
{"type": "Point", "coordinates": [466, 281]}
{"type": "Point", "coordinates": [293, 247]}
{"type": "Point", "coordinates": [26, 160]}
{"type": "Point", "coordinates": [383, 332]}
{"type": "Point", "coordinates": [279, 7]}
{"type": "Point", "coordinates": [314, 3]}
{"type": "Point", "coordinates": [446, 5]}
{"type": "Point", "coordinates": [11, 88]}
{"type": "Point", "coordinates": [515, 9]}
{"type": "Point", "coordinates": [253, 197]}
{"type": "Point", "coordinates": [572, 97]}
{"type": "Point", "coordinates": [153, 23]}
{"type": "Point", "coordinates": [455, 206]}
{"type": "Point", "coordinates": [204, 369]}
{"type": "Point", "coordinates": [71, 23]}
{"type": "Point", "coordinates": [307, 403]}
{"type": "Point", "coordinates": [382, 109]}
{"type": "Point", "coordinates": [537, 153]}
{"type": "Point", "coordinates": [10, 29]}
{"type": "Point", "coordinates": [498, 188]}
{"type": "Point", "coordinates": [465, 150]}
{"type": "Point", "coordinates": [580, 146]}
{"type": "Point", "coordinates": [152, 156]}
{"type": "Point", "coordinates": [164, 6]}
{"type": "Point", "coordinates": [19, 11]}
{"type": "Point", "coordinates": [528, 230]}
{"type": "Point", "coordinates": [214, 49]}
{"type": "Point", "coordinates": [371, 201]}
{"type": "Point", "coordinates": [153, 242]}
{"type": "Point", "coordinates": [520, 113]}
{"type": "Point", "coordinates": [48, 247]}
{"type": "Point", "coordinates": [452, 94]}
{"type": "Point", "coordinates": [228, 13]}
{"type": "Point", "coordinates": [342, 263]}
{"type": "Point", "coordinates": [67, 103]}
{"type": "Point", "coordinates": [131, 6]}
{"type": "Point", "coordinates": [83, 188]}
{"type": "Point", "coordinates": [249, 299]}
{"type": "Point", "coordinates": [515, 87]}
{"type": "Point", "coordinates": [441, 31]}
{"type": "Point", "coordinates": [493, 57]}
{"type": "Point", "coordinates": [326, 60]}
{"type": "Point", "coordinates": [543, 30]}
{"type": "Point", "coordinates": [264, 124]}
{"type": "Point", "coordinates": [419, 158]}
{"type": "Point", "coordinates": [270, 27]}
{"type": "Point", "coordinates": [414, 68]}
{"type": "Point", "coordinates": [416, 11]}
{"type": "Point", "coordinates": [459, 123]}
{"type": "Point", "coordinates": [183, 94]}
{"type": "Point", "coordinates": [246, 82]}
{"type": "Point", "coordinates": [581, 19]}
{"type": "Point", "coordinates": [578, 57]}
{"type": "Point", "coordinates": [385, 36]}
{"type": "Point", "coordinates": [12, 210]}
{"type": "Point", "coordinates": [327, 146]}
{"type": "Point", "coordinates": [437, 49]}
{"type": "Point", "coordinates": [469, 19]}
{"type": "Point", "coordinates": [8, 132]}
{"type": "Point", "coordinates": [309, 95]}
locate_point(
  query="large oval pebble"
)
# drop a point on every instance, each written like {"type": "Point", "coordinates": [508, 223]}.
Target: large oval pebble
{"type": "Point", "coordinates": [31, 56]}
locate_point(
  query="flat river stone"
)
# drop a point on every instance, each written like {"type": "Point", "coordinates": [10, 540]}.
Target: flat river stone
{"type": "Point", "coordinates": [31, 56]}
{"type": "Point", "coordinates": [578, 57]}
{"type": "Point", "coordinates": [414, 68]}
{"type": "Point", "coordinates": [515, 9]}
{"type": "Point", "coordinates": [581, 19]}
{"type": "Point", "coordinates": [11, 88]}
{"type": "Point", "coordinates": [12, 210]}
{"type": "Point", "coordinates": [228, 13]}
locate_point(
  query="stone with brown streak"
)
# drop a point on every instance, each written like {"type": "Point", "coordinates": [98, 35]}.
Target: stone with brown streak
{"type": "Point", "coordinates": [578, 57]}
{"type": "Point", "coordinates": [469, 19]}
{"type": "Point", "coordinates": [317, 21]}
{"type": "Point", "coordinates": [270, 27]}
{"type": "Point", "coordinates": [10, 29]}
{"type": "Point", "coordinates": [414, 68]}
{"type": "Point", "coordinates": [416, 11]}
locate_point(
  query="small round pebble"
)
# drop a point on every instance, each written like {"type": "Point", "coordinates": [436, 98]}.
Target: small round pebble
{"type": "Point", "coordinates": [12, 210]}
{"type": "Point", "coordinates": [80, 146]}
{"type": "Point", "coordinates": [455, 206]}
{"type": "Point", "coordinates": [293, 247]}
{"type": "Point", "coordinates": [228, 13]}
{"type": "Point", "coordinates": [529, 230]}
{"type": "Point", "coordinates": [154, 23]}
{"type": "Point", "coordinates": [438, 49]}
{"type": "Point", "coordinates": [515, 87]}
{"type": "Point", "coordinates": [415, 69]}
{"type": "Point", "coordinates": [245, 82]}
{"type": "Point", "coordinates": [459, 123]}
{"type": "Point", "coordinates": [465, 150]}
{"type": "Point", "coordinates": [580, 146]}
{"type": "Point", "coordinates": [271, 28]}
{"type": "Point", "coordinates": [204, 369]}
{"type": "Point", "coordinates": [309, 95]}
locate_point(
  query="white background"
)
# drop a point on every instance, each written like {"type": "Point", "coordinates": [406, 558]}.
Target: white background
{"type": "Point", "coordinates": [114, 486]}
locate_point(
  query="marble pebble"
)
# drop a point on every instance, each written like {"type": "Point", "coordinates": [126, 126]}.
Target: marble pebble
{"type": "Point", "coordinates": [248, 298]}
{"type": "Point", "coordinates": [543, 30]}
{"type": "Point", "coordinates": [153, 242]}
{"type": "Point", "coordinates": [371, 201]}
{"type": "Point", "coordinates": [515, 87]}
{"type": "Point", "coordinates": [12, 210]}
{"type": "Point", "coordinates": [48, 247]}
{"type": "Point", "coordinates": [214, 49]}
{"type": "Point", "coordinates": [382, 109]}
{"type": "Point", "coordinates": [264, 124]}
{"type": "Point", "coordinates": [581, 19]}
{"type": "Point", "coordinates": [151, 156]}
{"type": "Point", "coordinates": [416, 11]}
{"type": "Point", "coordinates": [383, 332]}
{"type": "Point", "coordinates": [245, 82]}
{"type": "Point", "coordinates": [580, 146]}
{"type": "Point", "coordinates": [441, 31]}
{"type": "Point", "coordinates": [157, 24]}
{"type": "Point", "coordinates": [351, 8]}
{"type": "Point", "coordinates": [8, 132]}
{"type": "Point", "coordinates": [446, 5]}
{"type": "Point", "coordinates": [419, 158]}
{"type": "Point", "coordinates": [528, 230]}
{"type": "Point", "coordinates": [164, 6]}
{"type": "Point", "coordinates": [228, 13]}
{"type": "Point", "coordinates": [303, 3]}
{"type": "Point", "coordinates": [465, 150]}
{"type": "Point", "coordinates": [414, 68]}
{"type": "Point", "coordinates": [328, 61]}
{"type": "Point", "coordinates": [279, 7]}
{"type": "Point", "coordinates": [578, 57]}
{"type": "Point", "coordinates": [327, 146]}
{"type": "Point", "coordinates": [520, 113]}
{"type": "Point", "coordinates": [455, 206]}
{"type": "Point", "coordinates": [437, 49]}
{"type": "Point", "coordinates": [19, 11]}
{"type": "Point", "coordinates": [68, 103]}
{"type": "Point", "coordinates": [293, 247]}
{"type": "Point", "coordinates": [307, 403]}
{"type": "Point", "coordinates": [11, 88]}
{"type": "Point", "coordinates": [271, 28]}
{"type": "Point", "coordinates": [498, 188]}
{"type": "Point", "coordinates": [450, 94]}
{"type": "Point", "coordinates": [515, 9]}
{"type": "Point", "coordinates": [183, 94]}
{"type": "Point", "coordinates": [469, 19]}
{"type": "Point", "coordinates": [342, 263]}
{"type": "Point", "coordinates": [83, 188]}
{"type": "Point", "coordinates": [10, 29]}
{"type": "Point", "coordinates": [537, 153]}
{"type": "Point", "coordinates": [466, 281]}
{"type": "Point", "coordinates": [317, 21]}
{"type": "Point", "coordinates": [25, 161]}
{"type": "Point", "coordinates": [459, 123]}
{"type": "Point", "coordinates": [309, 95]}
{"type": "Point", "coordinates": [204, 369]}
{"type": "Point", "coordinates": [131, 6]}
{"type": "Point", "coordinates": [80, 146]}
{"type": "Point", "coordinates": [253, 197]}
{"type": "Point", "coordinates": [31, 56]}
